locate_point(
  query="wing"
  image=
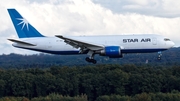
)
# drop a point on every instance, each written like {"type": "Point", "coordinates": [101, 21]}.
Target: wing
{"type": "Point", "coordinates": [81, 44]}
{"type": "Point", "coordinates": [21, 42]}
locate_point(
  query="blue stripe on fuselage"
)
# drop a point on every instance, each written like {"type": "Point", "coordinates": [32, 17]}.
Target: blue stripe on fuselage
{"type": "Point", "coordinates": [73, 52]}
{"type": "Point", "coordinates": [141, 50]}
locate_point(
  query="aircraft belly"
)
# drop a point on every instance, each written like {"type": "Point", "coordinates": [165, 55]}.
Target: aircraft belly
{"type": "Point", "coordinates": [142, 50]}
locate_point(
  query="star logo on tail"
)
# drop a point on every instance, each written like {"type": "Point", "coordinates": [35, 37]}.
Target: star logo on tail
{"type": "Point", "coordinates": [24, 23]}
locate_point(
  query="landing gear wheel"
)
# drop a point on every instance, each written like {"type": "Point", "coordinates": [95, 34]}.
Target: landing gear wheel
{"type": "Point", "coordinates": [87, 59]}
{"type": "Point", "coordinates": [159, 56]}
{"type": "Point", "coordinates": [91, 60]}
{"type": "Point", "coordinates": [94, 61]}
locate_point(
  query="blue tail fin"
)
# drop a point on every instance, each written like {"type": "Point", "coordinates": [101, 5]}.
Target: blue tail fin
{"type": "Point", "coordinates": [22, 26]}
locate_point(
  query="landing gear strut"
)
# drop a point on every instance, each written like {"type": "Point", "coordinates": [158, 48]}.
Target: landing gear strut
{"type": "Point", "coordinates": [91, 57]}
{"type": "Point", "coordinates": [159, 55]}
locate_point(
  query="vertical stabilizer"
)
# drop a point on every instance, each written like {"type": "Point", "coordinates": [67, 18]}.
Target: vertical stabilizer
{"type": "Point", "coordinates": [23, 28]}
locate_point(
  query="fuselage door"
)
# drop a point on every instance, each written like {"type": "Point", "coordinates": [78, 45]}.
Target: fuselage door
{"type": "Point", "coordinates": [154, 41]}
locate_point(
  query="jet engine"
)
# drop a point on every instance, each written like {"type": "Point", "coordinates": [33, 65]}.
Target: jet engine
{"type": "Point", "coordinates": [111, 51]}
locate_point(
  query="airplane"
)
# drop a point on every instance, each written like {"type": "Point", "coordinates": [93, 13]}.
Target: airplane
{"type": "Point", "coordinates": [112, 46]}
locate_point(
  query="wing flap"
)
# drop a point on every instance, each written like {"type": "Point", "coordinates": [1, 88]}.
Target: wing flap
{"type": "Point", "coordinates": [21, 42]}
{"type": "Point", "coordinates": [80, 44]}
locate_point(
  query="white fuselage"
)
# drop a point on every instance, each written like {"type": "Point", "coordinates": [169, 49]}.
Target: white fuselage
{"type": "Point", "coordinates": [128, 43]}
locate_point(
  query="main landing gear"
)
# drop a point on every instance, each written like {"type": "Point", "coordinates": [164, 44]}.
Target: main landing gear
{"type": "Point", "coordinates": [91, 60]}
{"type": "Point", "coordinates": [91, 57]}
{"type": "Point", "coordinates": [159, 55]}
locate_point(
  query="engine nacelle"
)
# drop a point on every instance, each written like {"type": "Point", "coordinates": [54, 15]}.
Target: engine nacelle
{"type": "Point", "coordinates": [111, 51]}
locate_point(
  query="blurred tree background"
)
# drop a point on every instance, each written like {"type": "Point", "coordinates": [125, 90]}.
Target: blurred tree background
{"type": "Point", "coordinates": [52, 77]}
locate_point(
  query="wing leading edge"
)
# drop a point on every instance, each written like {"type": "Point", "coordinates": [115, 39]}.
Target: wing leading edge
{"type": "Point", "coordinates": [81, 44]}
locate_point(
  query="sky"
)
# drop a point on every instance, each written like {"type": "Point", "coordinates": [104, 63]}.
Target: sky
{"type": "Point", "coordinates": [91, 17]}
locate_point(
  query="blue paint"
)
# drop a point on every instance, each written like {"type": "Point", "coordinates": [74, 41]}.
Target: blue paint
{"type": "Point", "coordinates": [112, 51]}
{"type": "Point", "coordinates": [142, 50]}
{"type": "Point", "coordinates": [73, 52]}
{"type": "Point", "coordinates": [23, 28]}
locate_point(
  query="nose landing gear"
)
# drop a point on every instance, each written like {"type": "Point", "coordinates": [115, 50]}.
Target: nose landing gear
{"type": "Point", "coordinates": [159, 55]}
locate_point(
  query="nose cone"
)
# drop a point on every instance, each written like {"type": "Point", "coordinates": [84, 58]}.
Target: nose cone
{"type": "Point", "coordinates": [171, 44]}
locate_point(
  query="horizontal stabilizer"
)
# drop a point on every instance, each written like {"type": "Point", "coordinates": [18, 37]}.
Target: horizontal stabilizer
{"type": "Point", "coordinates": [21, 42]}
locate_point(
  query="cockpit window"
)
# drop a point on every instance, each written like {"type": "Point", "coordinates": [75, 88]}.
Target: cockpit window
{"type": "Point", "coordinates": [166, 39]}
